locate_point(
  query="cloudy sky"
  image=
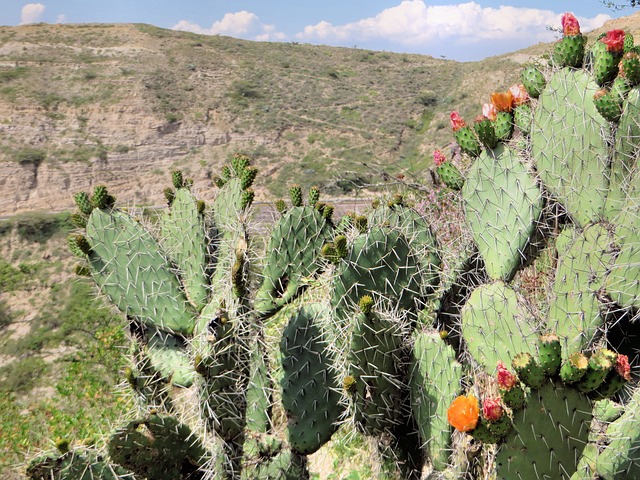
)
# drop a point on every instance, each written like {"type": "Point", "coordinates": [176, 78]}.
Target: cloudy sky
{"type": "Point", "coordinates": [467, 30]}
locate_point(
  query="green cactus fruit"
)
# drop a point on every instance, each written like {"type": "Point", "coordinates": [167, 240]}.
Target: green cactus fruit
{"type": "Point", "coordinates": [361, 223]}
{"type": "Point", "coordinates": [528, 370]}
{"type": "Point", "coordinates": [293, 253]}
{"type": "Point", "coordinates": [310, 388]}
{"type": "Point", "coordinates": [605, 63]}
{"type": "Point", "coordinates": [247, 177]}
{"type": "Point", "coordinates": [313, 196]}
{"type": "Point", "coordinates": [327, 212]}
{"type": "Point", "coordinates": [240, 163]}
{"type": "Point", "coordinates": [295, 195]}
{"type": "Point", "coordinates": [502, 205]}
{"type": "Point", "coordinates": [549, 435]}
{"type": "Point", "coordinates": [225, 173]}
{"type": "Point", "coordinates": [381, 263]}
{"type": "Point", "coordinates": [628, 42]}
{"type": "Point", "coordinates": [247, 198]}
{"type": "Point", "coordinates": [82, 271]}
{"type": "Point", "coordinates": [78, 220]}
{"type": "Point", "coordinates": [435, 382]}
{"type": "Point", "coordinates": [600, 364]}
{"type": "Point", "coordinates": [550, 354]}
{"type": "Point", "coordinates": [79, 245]}
{"type": "Point", "coordinates": [608, 105]}
{"type": "Point", "coordinates": [83, 202]}
{"type": "Point", "coordinates": [523, 116]}
{"type": "Point", "coordinates": [340, 243]}
{"type": "Point", "coordinates": [100, 197]}
{"type": "Point", "coordinates": [569, 51]}
{"type": "Point", "coordinates": [177, 179]}
{"type": "Point", "coordinates": [450, 175]}
{"type": "Point", "coordinates": [486, 132]}
{"type": "Point", "coordinates": [629, 68]}
{"type": "Point", "coordinates": [496, 326]}
{"type": "Point", "coordinates": [568, 147]}
{"type": "Point", "coordinates": [280, 205]}
{"type": "Point", "coordinates": [158, 447]}
{"type": "Point", "coordinates": [503, 126]}
{"type": "Point", "coordinates": [128, 266]}
{"type": "Point", "coordinates": [574, 309]}
{"type": "Point", "coordinates": [169, 195]}
{"type": "Point", "coordinates": [533, 80]}
{"type": "Point", "coordinates": [183, 239]}
{"type": "Point", "coordinates": [617, 378]}
{"type": "Point", "coordinates": [574, 368]}
{"type": "Point", "coordinates": [375, 358]}
{"type": "Point", "coordinates": [466, 138]}
{"type": "Point", "coordinates": [620, 459]}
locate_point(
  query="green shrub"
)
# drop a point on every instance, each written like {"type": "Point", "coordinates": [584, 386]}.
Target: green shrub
{"type": "Point", "coordinates": [31, 156]}
{"type": "Point", "coordinates": [21, 375]}
{"type": "Point", "coordinates": [40, 227]}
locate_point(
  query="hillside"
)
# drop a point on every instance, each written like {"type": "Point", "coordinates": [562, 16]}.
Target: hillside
{"type": "Point", "coordinates": [124, 104]}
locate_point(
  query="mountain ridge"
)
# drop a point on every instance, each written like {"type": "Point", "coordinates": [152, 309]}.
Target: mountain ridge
{"type": "Point", "coordinates": [124, 104]}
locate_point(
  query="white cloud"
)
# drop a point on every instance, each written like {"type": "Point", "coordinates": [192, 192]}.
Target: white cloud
{"type": "Point", "coordinates": [241, 24]}
{"type": "Point", "coordinates": [413, 23]}
{"type": "Point", "coordinates": [32, 13]}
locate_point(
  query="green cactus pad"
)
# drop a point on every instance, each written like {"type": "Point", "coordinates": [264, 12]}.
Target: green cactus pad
{"type": "Point", "coordinates": [158, 447]}
{"type": "Point", "coordinates": [574, 310]}
{"type": "Point", "coordinates": [435, 383]}
{"type": "Point", "coordinates": [310, 388]}
{"type": "Point", "coordinates": [184, 241]}
{"type": "Point", "coordinates": [375, 359]}
{"type": "Point", "coordinates": [293, 253]}
{"type": "Point", "coordinates": [502, 204]}
{"type": "Point", "coordinates": [569, 145]}
{"type": "Point", "coordinates": [128, 266]}
{"type": "Point", "coordinates": [625, 154]}
{"type": "Point", "coordinates": [74, 465]}
{"type": "Point", "coordinates": [621, 457]}
{"type": "Point", "coordinates": [419, 234]}
{"type": "Point", "coordinates": [259, 391]}
{"type": "Point", "coordinates": [380, 263]}
{"type": "Point", "coordinates": [496, 327]}
{"type": "Point", "coordinates": [549, 435]}
{"type": "Point", "coordinates": [168, 355]}
{"type": "Point", "coordinates": [224, 366]}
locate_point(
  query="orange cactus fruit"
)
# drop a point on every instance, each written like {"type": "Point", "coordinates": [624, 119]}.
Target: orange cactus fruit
{"type": "Point", "coordinates": [463, 413]}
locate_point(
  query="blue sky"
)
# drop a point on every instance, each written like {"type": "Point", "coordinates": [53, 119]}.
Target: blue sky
{"type": "Point", "coordinates": [460, 30]}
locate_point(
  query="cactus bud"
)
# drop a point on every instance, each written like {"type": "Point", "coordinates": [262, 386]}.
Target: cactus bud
{"type": "Point", "coordinates": [83, 202]}
{"type": "Point", "coordinates": [314, 196]}
{"type": "Point", "coordinates": [295, 194]}
{"type": "Point", "coordinates": [177, 179]}
{"type": "Point", "coordinates": [170, 195]}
